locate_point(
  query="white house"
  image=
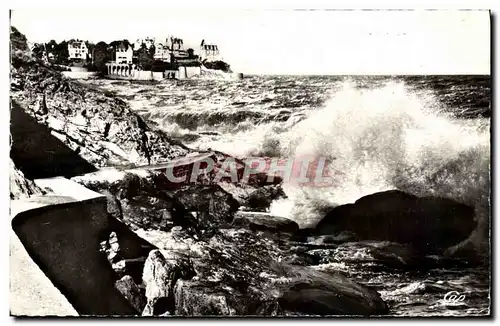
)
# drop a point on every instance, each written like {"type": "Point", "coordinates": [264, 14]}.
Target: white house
{"type": "Point", "coordinates": [77, 49]}
{"type": "Point", "coordinates": [175, 43]}
{"type": "Point", "coordinates": [162, 52]}
{"type": "Point", "coordinates": [209, 52]}
{"type": "Point", "coordinates": [123, 53]}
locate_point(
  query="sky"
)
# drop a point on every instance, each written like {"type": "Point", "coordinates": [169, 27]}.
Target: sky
{"type": "Point", "coordinates": [291, 42]}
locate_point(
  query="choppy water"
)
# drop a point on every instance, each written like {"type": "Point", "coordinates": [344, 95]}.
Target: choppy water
{"type": "Point", "coordinates": [427, 135]}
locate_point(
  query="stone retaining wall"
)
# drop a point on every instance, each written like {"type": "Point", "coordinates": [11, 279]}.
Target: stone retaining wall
{"type": "Point", "coordinates": [62, 233]}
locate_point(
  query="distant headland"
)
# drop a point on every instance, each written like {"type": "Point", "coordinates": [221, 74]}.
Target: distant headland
{"type": "Point", "coordinates": [144, 59]}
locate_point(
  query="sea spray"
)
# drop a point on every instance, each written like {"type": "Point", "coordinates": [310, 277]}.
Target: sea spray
{"type": "Point", "coordinates": [414, 133]}
{"type": "Point", "coordinates": [436, 127]}
{"type": "Point", "coordinates": [387, 138]}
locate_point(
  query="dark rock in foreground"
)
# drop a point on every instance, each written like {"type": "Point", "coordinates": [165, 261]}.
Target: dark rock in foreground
{"type": "Point", "coordinates": [213, 205]}
{"type": "Point", "coordinates": [236, 273]}
{"type": "Point", "coordinates": [134, 198]}
{"type": "Point", "coordinates": [318, 293]}
{"type": "Point", "coordinates": [251, 197]}
{"type": "Point", "coordinates": [131, 292]}
{"type": "Point", "coordinates": [427, 223]}
{"type": "Point", "coordinates": [202, 267]}
{"type": "Point", "coordinates": [205, 267]}
{"type": "Point", "coordinates": [262, 198]}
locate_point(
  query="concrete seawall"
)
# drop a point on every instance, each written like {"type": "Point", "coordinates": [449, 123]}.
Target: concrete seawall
{"type": "Point", "coordinates": [126, 72]}
{"type": "Point", "coordinates": [31, 291]}
{"type": "Point", "coordinates": [61, 233]}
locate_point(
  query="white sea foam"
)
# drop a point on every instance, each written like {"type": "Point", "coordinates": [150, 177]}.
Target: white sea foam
{"type": "Point", "coordinates": [376, 139]}
{"type": "Point", "coordinates": [383, 139]}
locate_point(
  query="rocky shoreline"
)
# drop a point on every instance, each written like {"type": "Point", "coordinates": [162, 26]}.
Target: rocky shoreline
{"type": "Point", "coordinates": [211, 249]}
{"type": "Point", "coordinates": [214, 258]}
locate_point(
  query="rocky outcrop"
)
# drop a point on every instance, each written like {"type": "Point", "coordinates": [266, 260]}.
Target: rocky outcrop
{"type": "Point", "coordinates": [63, 240]}
{"type": "Point", "coordinates": [132, 198]}
{"type": "Point", "coordinates": [214, 167]}
{"type": "Point", "coordinates": [253, 197]}
{"type": "Point", "coordinates": [213, 206]}
{"type": "Point", "coordinates": [131, 291]}
{"type": "Point", "coordinates": [214, 260]}
{"type": "Point", "coordinates": [210, 263]}
{"type": "Point", "coordinates": [239, 273]}
{"type": "Point", "coordinates": [370, 252]}
{"type": "Point", "coordinates": [161, 272]}
{"type": "Point", "coordinates": [427, 223]}
{"type": "Point", "coordinates": [137, 198]}
{"type": "Point", "coordinates": [100, 127]}
{"type": "Point", "coordinates": [217, 65]}
{"type": "Point", "coordinates": [261, 198]}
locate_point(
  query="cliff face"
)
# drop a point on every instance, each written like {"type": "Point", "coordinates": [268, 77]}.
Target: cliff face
{"type": "Point", "coordinates": [100, 128]}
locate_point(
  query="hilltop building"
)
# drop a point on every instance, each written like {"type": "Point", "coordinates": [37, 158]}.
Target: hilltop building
{"type": "Point", "coordinates": [166, 59]}
{"type": "Point", "coordinates": [175, 43]}
{"type": "Point", "coordinates": [176, 46]}
{"type": "Point", "coordinates": [162, 52]}
{"type": "Point", "coordinates": [209, 52]}
{"type": "Point", "coordinates": [124, 53]}
{"type": "Point", "coordinates": [77, 50]}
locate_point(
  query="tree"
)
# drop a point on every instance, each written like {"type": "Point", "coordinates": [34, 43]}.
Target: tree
{"type": "Point", "coordinates": [145, 57]}
{"type": "Point", "coordinates": [102, 55]}
{"type": "Point", "coordinates": [90, 47]}
{"type": "Point", "coordinates": [124, 43]}
{"type": "Point", "coordinates": [117, 44]}
{"type": "Point", "coordinates": [61, 54]}
{"type": "Point", "coordinates": [51, 47]}
{"type": "Point", "coordinates": [38, 50]}
{"type": "Point", "coordinates": [18, 41]}
{"type": "Point", "coordinates": [190, 53]}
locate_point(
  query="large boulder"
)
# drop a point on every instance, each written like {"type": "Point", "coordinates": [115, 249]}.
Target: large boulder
{"type": "Point", "coordinates": [254, 197]}
{"type": "Point", "coordinates": [132, 292]}
{"type": "Point", "coordinates": [150, 212]}
{"type": "Point", "coordinates": [138, 198]}
{"type": "Point", "coordinates": [261, 198]}
{"type": "Point", "coordinates": [161, 272]}
{"type": "Point", "coordinates": [427, 223]}
{"type": "Point", "coordinates": [312, 292]}
{"type": "Point", "coordinates": [213, 207]}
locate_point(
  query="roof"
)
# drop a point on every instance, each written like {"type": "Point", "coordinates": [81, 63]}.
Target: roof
{"type": "Point", "coordinates": [76, 43]}
{"type": "Point", "coordinates": [124, 46]}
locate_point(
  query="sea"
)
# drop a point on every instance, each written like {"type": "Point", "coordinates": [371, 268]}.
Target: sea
{"type": "Point", "coordinates": [426, 135]}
